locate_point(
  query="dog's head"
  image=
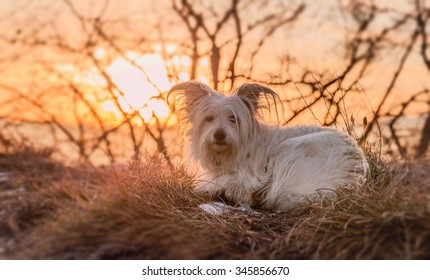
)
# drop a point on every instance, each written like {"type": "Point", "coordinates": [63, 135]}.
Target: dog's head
{"type": "Point", "coordinates": [220, 127]}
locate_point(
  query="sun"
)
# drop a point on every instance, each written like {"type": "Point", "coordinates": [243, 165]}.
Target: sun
{"type": "Point", "coordinates": [139, 89]}
{"type": "Point", "coordinates": [141, 79]}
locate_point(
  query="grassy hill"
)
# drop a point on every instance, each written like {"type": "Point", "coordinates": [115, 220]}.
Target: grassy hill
{"type": "Point", "coordinates": [146, 211]}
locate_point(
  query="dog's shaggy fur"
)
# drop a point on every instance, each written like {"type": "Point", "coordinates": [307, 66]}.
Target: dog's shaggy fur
{"type": "Point", "coordinates": [253, 163]}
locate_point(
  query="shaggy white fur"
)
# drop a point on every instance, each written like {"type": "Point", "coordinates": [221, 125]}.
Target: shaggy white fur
{"type": "Point", "coordinates": [258, 164]}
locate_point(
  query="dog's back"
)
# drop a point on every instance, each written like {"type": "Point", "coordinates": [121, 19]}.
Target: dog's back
{"type": "Point", "coordinates": [306, 159]}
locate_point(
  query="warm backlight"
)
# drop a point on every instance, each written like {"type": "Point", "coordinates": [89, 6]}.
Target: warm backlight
{"type": "Point", "coordinates": [140, 79]}
{"type": "Point", "coordinates": [137, 87]}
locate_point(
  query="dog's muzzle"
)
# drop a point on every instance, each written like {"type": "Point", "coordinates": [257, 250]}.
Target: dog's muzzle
{"type": "Point", "coordinates": [220, 135]}
{"type": "Point", "coordinates": [219, 143]}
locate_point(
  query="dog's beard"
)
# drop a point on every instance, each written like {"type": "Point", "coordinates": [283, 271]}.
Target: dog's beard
{"type": "Point", "coordinates": [218, 153]}
{"type": "Point", "coordinates": [219, 147]}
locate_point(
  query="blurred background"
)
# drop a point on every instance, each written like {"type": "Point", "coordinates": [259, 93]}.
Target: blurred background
{"type": "Point", "coordinates": [88, 78]}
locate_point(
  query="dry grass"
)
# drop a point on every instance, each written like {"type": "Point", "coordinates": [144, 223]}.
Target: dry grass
{"type": "Point", "coordinates": [143, 211]}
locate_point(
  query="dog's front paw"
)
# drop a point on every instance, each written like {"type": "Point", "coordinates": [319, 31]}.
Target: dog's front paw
{"type": "Point", "coordinates": [208, 189]}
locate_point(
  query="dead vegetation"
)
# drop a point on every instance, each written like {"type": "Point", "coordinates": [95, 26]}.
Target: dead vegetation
{"type": "Point", "coordinates": [143, 211]}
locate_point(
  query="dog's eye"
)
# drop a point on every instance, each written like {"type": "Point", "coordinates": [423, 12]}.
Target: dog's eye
{"type": "Point", "coordinates": [232, 119]}
{"type": "Point", "coordinates": [209, 118]}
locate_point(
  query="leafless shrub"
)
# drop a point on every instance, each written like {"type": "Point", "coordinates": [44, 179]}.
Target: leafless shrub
{"type": "Point", "coordinates": [66, 77]}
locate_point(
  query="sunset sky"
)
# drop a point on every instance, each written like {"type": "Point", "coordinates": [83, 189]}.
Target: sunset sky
{"type": "Point", "coordinates": [315, 41]}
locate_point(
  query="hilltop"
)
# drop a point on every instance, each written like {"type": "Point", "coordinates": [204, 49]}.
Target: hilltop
{"type": "Point", "coordinates": [143, 210]}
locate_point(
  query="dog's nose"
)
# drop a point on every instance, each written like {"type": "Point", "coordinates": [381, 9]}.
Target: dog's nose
{"type": "Point", "coordinates": [219, 135]}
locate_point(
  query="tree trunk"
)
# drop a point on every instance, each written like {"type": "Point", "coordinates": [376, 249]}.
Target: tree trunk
{"type": "Point", "coordinates": [425, 139]}
{"type": "Point", "coordinates": [215, 59]}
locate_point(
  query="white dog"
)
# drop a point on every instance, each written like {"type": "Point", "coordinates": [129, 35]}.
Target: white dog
{"type": "Point", "coordinates": [253, 163]}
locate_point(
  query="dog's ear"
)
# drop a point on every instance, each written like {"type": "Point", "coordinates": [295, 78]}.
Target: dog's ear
{"type": "Point", "coordinates": [191, 90]}
{"type": "Point", "coordinates": [187, 95]}
{"type": "Point", "coordinates": [251, 94]}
